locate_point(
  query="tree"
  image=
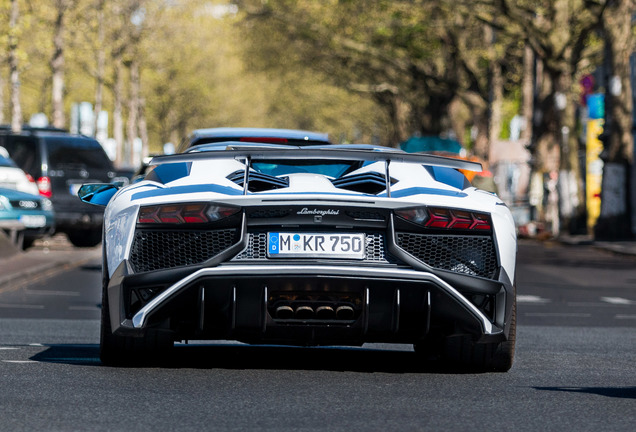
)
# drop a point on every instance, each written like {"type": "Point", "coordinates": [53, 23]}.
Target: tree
{"type": "Point", "coordinates": [559, 32]}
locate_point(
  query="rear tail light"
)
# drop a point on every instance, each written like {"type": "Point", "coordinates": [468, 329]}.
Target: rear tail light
{"type": "Point", "coordinates": [184, 213]}
{"type": "Point", "coordinates": [444, 218]}
{"type": "Point", "coordinates": [44, 186]}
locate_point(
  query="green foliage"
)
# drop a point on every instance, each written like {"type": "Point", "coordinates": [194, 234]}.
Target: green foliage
{"type": "Point", "coordinates": [358, 69]}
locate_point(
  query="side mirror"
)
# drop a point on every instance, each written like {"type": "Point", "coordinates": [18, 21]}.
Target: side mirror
{"type": "Point", "coordinates": [97, 193]}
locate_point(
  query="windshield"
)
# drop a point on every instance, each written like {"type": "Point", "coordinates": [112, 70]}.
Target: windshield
{"type": "Point", "coordinates": [334, 169]}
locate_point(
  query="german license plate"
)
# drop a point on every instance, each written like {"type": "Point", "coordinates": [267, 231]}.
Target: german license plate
{"type": "Point", "coordinates": [315, 245]}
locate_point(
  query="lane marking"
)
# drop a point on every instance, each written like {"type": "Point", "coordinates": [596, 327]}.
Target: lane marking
{"type": "Point", "coordinates": [83, 308]}
{"type": "Point", "coordinates": [20, 306]}
{"type": "Point", "coordinates": [532, 299]}
{"type": "Point", "coordinates": [9, 348]}
{"type": "Point", "coordinates": [625, 317]}
{"type": "Point", "coordinates": [589, 304]}
{"type": "Point", "coordinates": [558, 314]}
{"type": "Point", "coordinates": [55, 293]}
{"type": "Point", "coordinates": [19, 361]}
{"type": "Point", "coordinates": [617, 301]}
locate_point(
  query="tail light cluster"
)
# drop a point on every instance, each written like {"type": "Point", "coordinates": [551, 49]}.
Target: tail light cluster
{"type": "Point", "coordinates": [184, 213]}
{"type": "Point", "coordinates": [434, 217]}
{"type": "Point", "coordinates": [44, 186]}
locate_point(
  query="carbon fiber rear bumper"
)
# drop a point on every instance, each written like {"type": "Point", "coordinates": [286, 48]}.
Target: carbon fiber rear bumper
{"type": "Point", "coordinates": [236, 302]}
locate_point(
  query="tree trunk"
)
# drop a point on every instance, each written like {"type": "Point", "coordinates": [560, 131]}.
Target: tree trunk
{"type": "Point", "coordinates": [101, 62]}
{"type": "Point", "coordinates": [133, 111]}
{"type": "Point", "coordinates": [143, 130]}
{"type": "Point", "coordinates": [14, 73]}
{"type": "Point", "coordinates": [1, 99]}
{"type": "Point", "coordinates": [57, 65]}
{"type": "Point", "coordinates": [118, 123]}
{"type": "Point", "coordinates": [496, 92]}
{"type": "Point", "coordinates": [527, 89]}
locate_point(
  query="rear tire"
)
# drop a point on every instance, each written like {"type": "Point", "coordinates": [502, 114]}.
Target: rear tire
{"type": "Point", "coordinates": [484, 357]}
{"type": "Point", "coordinates": [463, 353]}
{"type": "Point", "coordinates": [85, 237]}
{"type": "Point", "coordinates": [115, 350]}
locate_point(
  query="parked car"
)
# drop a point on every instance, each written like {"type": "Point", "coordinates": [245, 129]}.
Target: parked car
{"type": "Point", "coordinates": [25, 217]}
{"type": "Point", "coordinates": [335, 245]}
{"type": "Point", "coordinates": [12, 177]}
{"type": "Point", "coordinates": [262, 135]}
{"type": "Point", "coordinates": [60, 163]}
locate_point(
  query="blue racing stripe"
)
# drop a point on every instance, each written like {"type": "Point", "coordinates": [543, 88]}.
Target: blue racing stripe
{"type": "Point", "coordinates": [424, 191]}
{"type": "Point", "coordinates": [181, 190]}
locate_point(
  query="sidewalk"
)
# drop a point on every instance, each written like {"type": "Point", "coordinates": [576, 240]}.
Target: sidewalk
{"type": "Point", "coordinates": [627, 247]}
{"type": "Point", "coordinates": [42, 258]}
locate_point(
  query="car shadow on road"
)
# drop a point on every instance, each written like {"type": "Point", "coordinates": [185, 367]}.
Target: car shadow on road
{"type": "Point", "coordinates": [614, 392]}
{"type": "Point", "coordinates": [238, 357]}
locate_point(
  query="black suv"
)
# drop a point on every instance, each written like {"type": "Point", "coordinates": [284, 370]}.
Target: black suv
{"type": "Point", "coordinates": [60, 163]}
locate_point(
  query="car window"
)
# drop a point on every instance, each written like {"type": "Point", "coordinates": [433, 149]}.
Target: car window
{"type": "Point", "coordinates": [24, 153]}
{"type": "Point", "coordinates": [4, 162]}
{"type": "Point", "coordinates": [328, 168]}
{"type": "Point", "coordinates": [76, 152]}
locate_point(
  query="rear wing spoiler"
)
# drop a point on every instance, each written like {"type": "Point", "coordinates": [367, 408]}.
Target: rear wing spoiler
{"type": "Point", "coordinates": [325, 153]}
{"type": "Point", "coordinates": [250, 153]}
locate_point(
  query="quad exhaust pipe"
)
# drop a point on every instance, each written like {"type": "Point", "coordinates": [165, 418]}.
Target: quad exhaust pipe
{"type": "Point", "coordinates": [323, 312]}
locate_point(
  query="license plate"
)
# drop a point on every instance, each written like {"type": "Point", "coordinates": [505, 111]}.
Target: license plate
{"type": "Point", "coordinates": [33, 221]}
{"type": "Point", "coordinates": [315, 245]}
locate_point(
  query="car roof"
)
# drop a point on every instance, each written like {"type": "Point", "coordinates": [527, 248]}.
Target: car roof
{"type": "Point", "coordinates": [251, 134]}
{"type": "Point", "coordinates": [236, 132]}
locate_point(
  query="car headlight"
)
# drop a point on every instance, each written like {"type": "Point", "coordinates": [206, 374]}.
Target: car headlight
{"type": "Point", "coordinates": [4, 203]}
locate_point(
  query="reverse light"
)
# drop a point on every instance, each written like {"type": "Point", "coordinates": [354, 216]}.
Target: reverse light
{"type": "Point", "coordinates": [44, 186]}
{"type": "Point", "coordinates": [446, 218]}
{"type": "Point", "coordinates": [417, 215]}
{"type": "Point", "coordinates": [215, 213]}
{"type": "Point", "coordinates": [183, 213]}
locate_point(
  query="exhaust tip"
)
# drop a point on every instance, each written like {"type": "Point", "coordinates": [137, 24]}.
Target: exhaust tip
{"type": "Point", "coordinates": [284, 312]}
{"type": "Point", "coordinates": [325, 312]}
{"type": "Point", "coordinates": [344, 312]}
{"type": "Point", "coordinates": [304, 312]}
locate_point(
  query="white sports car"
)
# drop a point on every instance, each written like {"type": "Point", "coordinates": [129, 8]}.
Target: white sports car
{"type": "Point", "coordinates": [319, 245]}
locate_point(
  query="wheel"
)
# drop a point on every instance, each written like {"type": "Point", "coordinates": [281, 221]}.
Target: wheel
{"type": "Point", "coordinates": [85, 237]}
{"type": "Point", "coordinates": [115, 350]}
{"type": "Point", "coordinates": [488, 357]}
{"type": "Point", "coordinates": [27, 242]}
{"type": "Point", "coordinates": [463, 353]}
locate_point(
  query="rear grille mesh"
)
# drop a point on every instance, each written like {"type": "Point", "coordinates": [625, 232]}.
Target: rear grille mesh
{"type": "Point", "coordinates": [473, 255]}
{"type": "Point", "coordinates": [257, 248]}
{"type": "Point", "coordinates": [155, 250]}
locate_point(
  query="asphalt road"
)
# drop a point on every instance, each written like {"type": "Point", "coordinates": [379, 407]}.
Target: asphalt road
{"type": "Point", "coordinates": [574, 367]}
